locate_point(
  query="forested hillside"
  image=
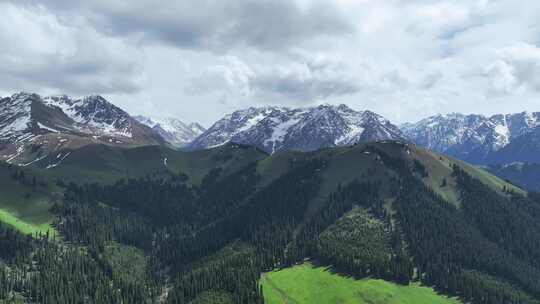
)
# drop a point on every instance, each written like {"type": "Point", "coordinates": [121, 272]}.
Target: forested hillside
{"type": "Point", "coordinates": [205, 230]}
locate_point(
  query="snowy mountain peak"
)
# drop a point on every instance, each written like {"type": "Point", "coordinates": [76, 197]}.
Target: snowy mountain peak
{"type": "Point", "coordinates": [30, 124]}
{"type": "Point", "coordinates": [306, 129]}
{"type": "Point", "coordinates": [97, 112]}
{"type": "Point", "coordinates": [173, 130]}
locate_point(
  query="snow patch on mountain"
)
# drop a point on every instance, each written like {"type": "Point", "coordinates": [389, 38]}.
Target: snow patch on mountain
{"type": "Point", "coordinates": [44, 127]}
{"type": "Point", "coordinates": [281, 129]}
{"type": "Point", "coordinates": [354, 132]}
{"type": "Point", "coordinates": [251, 122]}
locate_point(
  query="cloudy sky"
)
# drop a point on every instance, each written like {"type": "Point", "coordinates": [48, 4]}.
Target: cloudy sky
{"type": "Point", "coordinates": [197, 60]}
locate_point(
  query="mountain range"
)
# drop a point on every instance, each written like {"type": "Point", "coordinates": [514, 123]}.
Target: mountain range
{"type": "Point", "coordinates": [32, 127]}
{"type": "Point", "coordinates": [480, 139]}
{"type": "Point", "coordinates": [274, 129]}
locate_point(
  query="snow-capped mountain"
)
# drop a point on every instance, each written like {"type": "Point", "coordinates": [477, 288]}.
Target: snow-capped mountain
{"type": "Point", "coordinates": [94, 114]}
{"type": "Point", "coordinates": [32, 127]}
{"type": "Point", "coordinates": [305, 129]}
{"type": "Point", "coordinates": [173, 130]}
{"type": "Point", "coordinates": [474, 138]}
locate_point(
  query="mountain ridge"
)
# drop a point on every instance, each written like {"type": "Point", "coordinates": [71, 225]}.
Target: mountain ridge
{"type": "Point", "coordinates": [304, 129]}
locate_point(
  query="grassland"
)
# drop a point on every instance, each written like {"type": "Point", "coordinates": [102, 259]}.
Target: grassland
{"type": "Point", "coordinates": [25, 226]}
{"type": "Point", "coordinates": [440, 168]}
{"type": "Point", "coordinates": [309, 284]}
{"type": "Point", "coordinates": [23, 207]}
{"type": "Point", "coordinates": [105, 164]}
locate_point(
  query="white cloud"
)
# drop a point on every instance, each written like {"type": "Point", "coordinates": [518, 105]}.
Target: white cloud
{"type": "Point", "coordinates": [230, 75]}
{"type": "Point", "coordinates": [39, 52]}
{"type": "Point", "coordinates": [199, 60]}
{"type": "Point", "coordinates": [516, 68]}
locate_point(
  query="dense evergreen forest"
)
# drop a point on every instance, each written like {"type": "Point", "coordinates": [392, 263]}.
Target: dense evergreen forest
{"type": "Point", "coordinates": [214, 240]}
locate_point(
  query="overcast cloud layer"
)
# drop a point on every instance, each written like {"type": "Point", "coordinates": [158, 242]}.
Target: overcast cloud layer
{"type": "Point", "coordinates": [198, 60]}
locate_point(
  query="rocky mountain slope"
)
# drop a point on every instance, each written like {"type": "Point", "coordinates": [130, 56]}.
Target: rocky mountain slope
{"type": "Point", "coordinates": [275, 129]}
{"type": "Point", "coordinates": [477, 138]}
{"type": "Point", "coordinates": [173, 130]}
{"type": "Point", "coordinates": [32, 127]}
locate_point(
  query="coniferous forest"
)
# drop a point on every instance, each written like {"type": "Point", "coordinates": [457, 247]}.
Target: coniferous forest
{"type": "Point", "coordinates": [161, 238]}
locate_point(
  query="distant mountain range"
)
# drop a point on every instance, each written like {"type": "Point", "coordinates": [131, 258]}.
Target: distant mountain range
{"type": "Point", "coordinates": [274, 129]}
{"type": "Point", "coordinates": [33, 127]}
{"type": "Point", "coordinates": [479, 139]}
{"type": "Point", "coordinates": [173, 130]}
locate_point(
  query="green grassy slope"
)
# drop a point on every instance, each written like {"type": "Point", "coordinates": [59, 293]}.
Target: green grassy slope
{"type": "Point", "coordinates": [24, 207]}
{"type": "Point", "coordinates": [309, 284]}
{"type": "Point", "coordinates": [105, 164]}
{"type": "Point", "coordinates": [439, 167]}
{"type": "Point", "coordinates": [346, 164]}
